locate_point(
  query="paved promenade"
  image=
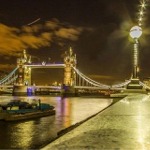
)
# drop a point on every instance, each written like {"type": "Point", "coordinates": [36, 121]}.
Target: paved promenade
{"type": "Point", "coordinates": [123, 126]}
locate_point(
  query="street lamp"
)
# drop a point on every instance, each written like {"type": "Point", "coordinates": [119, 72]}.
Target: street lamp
{"type": "Point", "coordinates": [135, 33]}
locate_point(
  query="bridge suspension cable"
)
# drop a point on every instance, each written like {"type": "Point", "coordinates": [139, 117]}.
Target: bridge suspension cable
{"type": "Point", "coordinates": [121, 84]}
{"type": "Point", "coordinates": [90, 81]}
{"type": "Point", "coordinates": [11, 77]}
{"type": "Point", "coordinates": [97, 84]}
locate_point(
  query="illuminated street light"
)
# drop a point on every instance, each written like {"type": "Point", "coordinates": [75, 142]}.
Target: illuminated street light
{"type": "Point", "coordinates": [135, 33]}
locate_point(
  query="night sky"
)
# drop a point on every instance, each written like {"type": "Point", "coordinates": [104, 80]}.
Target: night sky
{"type": "Point", "coordinates": [98, 32]}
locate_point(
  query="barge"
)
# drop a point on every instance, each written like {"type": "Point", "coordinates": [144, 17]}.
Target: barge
{"type": "Point", "coordinates": [18, 110]}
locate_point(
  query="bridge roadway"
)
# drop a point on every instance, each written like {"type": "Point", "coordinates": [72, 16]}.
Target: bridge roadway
{"type": "Point", "coordinates": [44, 65]}
{"type": "Point", "coordinates": [6, 86]}
{"type": "Point", "coordinates": [51, 89]}
{"type": "Point", "coordinates": [123, 125]}
{"type": "Point", "coordinates": [59, 87]}
{"type": "Point", "coordinates": [97, 88]}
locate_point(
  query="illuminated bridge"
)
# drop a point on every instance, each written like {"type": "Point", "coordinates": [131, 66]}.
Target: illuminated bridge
{"type": "Point", "coordinates": [44, 65]}
{"type": "Point", "coordinates": [19, 80]}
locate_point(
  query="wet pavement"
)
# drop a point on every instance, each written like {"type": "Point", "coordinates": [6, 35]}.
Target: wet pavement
{"type": "Point", "coordinates": [124, 125]}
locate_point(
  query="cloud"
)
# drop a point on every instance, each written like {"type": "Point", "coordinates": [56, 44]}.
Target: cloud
{"type": "Point", "coordinates": [31, 41]}
{"type": "Point", "coordinates": [69, 33]}
{"type": "Point", "coordinates": [14, 40]}
{"type": "Point", "coordinates": [32, 29]}
{"type": "Point", "coordinates": [52, 24]}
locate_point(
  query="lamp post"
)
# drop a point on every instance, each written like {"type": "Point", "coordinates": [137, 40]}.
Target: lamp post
{"type": "Point", "coordinates": [135, 33]}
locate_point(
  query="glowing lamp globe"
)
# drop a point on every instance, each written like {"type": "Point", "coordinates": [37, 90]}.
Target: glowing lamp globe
{"type": "Point", "coordinates": [136, 32]}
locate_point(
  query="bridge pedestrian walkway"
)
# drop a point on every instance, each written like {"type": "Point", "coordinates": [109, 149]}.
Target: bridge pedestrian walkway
{"type": "Point", "coordinates": [122, 126]}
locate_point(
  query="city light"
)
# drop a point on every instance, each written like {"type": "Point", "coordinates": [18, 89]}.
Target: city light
{"type": "Point", "coordinates": [142, 9]}
{"type": "Point", "coordinates": [136, 32]}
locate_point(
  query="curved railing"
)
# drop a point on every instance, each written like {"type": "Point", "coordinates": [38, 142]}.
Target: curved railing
{"type": "Point", "coordinates": [121, 84]}
{"type": "Point", "coordinates": [144, 85]}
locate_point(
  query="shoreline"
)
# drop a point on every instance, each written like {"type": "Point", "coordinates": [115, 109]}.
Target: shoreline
{"type": "Point", "coordinates": [68, 129]}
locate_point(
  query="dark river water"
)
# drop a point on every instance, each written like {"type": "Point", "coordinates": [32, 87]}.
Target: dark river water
{"type": "Point", "coordinates": [35, 133]}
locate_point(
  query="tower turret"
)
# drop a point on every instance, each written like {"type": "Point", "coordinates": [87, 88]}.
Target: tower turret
{"type": "Point", "coordinates": [69, 73]}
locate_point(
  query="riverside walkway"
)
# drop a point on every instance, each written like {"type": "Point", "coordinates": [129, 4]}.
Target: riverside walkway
{"type": "Point", "coordinates": [122, 126]}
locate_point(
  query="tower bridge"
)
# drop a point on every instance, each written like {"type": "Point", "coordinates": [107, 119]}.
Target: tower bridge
{"type": "Point", "coordinates": [19, 80]}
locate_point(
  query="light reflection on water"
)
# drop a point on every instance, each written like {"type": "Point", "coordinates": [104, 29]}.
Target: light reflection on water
{"type": "Point", "coordinates": [37, 132]}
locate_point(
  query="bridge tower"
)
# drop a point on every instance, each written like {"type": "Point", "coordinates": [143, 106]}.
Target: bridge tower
{"type": "Point", "coordinates": [24, 73]}
{"type": "Point", "coordinates": [70, 61]}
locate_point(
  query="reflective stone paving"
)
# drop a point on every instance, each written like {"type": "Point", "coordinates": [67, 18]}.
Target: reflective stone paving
{"type": "Point", "coordinates": [124, 125]}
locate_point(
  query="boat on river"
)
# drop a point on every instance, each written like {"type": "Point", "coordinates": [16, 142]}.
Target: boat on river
{"type": "Point", "coordinates": [21, 110]}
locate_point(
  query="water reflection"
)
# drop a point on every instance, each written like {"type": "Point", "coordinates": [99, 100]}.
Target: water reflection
{"type": "Point", "coordinates": [63, 115]}
{"type": "Point", "coordinates": [27, 134]}
{"type": "Point", "coordinates": [34, 133]}
{"type": "Point", "coordinates": [72, 110]}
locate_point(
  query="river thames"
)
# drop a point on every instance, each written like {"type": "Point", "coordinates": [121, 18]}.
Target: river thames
{"type": "Point", "coordinates": [38, 132]}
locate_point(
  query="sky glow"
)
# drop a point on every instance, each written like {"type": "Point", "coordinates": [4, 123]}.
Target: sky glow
{"type": "Point", "coordinates": [98, 32]}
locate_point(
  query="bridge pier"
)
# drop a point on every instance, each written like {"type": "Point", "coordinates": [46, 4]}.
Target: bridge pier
{"type": "Point", "coordinates": [22, 90]}
{"type": "Point", "coordinates": [68, 91]}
